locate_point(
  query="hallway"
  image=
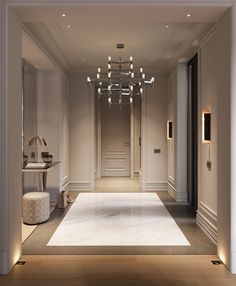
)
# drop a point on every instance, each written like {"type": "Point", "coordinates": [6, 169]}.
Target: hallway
{"type": "Point", "coordinates": [182, 213]}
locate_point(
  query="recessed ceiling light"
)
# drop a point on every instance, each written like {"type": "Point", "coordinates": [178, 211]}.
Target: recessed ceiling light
{"type": "Point", "coordinates": [166, 26]}
{"type": "Point", "coordinates": [68, 26]}
{"type": "Point", "coordinates": [188, 15]}
{"type": "Point", "coordinates": [83, 59]}
{"type": "Point", "coordinates": [63, 15]}
{"type": "Point", "coordinates": [37, 66]}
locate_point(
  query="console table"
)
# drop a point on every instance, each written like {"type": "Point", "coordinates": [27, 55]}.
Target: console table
{"type": "Point", "coordinates": [41, 174]}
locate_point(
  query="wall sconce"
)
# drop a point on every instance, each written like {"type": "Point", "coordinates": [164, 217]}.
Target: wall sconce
{"type": "Point", "coordinates": [206, 127]}
{"type": "Point", "coordinates": [169, 129]}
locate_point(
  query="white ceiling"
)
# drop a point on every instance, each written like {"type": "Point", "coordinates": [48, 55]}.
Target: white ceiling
{"type": "Point", "coordinates": [95, 30]}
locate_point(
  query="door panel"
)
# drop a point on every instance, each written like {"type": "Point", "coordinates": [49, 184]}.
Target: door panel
{"type": "Point", "coordinates": [115, 140]}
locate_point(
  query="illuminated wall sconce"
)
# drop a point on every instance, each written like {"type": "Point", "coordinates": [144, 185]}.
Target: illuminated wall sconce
{"type": "Point", "coordinates": [169, 129]}
{"type": "Point", "coordinates": [206, 127]}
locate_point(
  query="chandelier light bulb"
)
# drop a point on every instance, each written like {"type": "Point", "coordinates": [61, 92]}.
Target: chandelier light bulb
{"type": "Point", "coordinates": [120, 78]}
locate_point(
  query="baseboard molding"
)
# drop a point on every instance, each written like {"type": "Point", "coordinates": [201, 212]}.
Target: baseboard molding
{"type": "Point", "coordinates": [207, 221]}
{"type": "Point", "coordinates": [154, 186]}
{"type": "Point", "coordinates": [65, 184]}
{"type": "Point", "coordinates": [178, 196]}
{"type": "Point", "coordinates": [80, 186]}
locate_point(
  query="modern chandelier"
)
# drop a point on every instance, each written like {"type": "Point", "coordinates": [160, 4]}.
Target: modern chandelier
{"type": "Point", "coordinates": [120, 82]}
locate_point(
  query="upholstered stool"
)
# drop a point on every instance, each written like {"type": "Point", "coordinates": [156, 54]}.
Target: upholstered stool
{"type": "Point", "coordinates": [35, 207]}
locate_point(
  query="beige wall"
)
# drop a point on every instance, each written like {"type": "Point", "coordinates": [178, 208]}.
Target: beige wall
{"type": "Point", "coordinates": [215, 88]}
{"type": "Point", "coordinates": [53, 126]}
{"type": "Point", "coordinates": [10, 148]}
{"type": "Point", "coordinates": [154, 114]}
{"type": "Point", "coordinates": [80, 132]}
{"type": "Point", "coordinates": [177, 146]}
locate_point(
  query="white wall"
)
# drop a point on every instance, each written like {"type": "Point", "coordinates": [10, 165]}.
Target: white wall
{"type": "Point", "coordinates": [81, 133]}
{"type": "Point", "coordinates": [177, 146]}
{"type": "Point", "coordinates": [53, 126]}
{"type": "Point", "coordinates": [154, 114]}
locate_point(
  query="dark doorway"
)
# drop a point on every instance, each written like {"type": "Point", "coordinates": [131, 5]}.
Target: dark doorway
{"type": "Point", "coordinates": [193, 131]}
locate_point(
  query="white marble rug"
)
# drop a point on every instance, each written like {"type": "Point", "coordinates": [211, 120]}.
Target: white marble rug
{"type": "Point", "coordinates": [118, 219]}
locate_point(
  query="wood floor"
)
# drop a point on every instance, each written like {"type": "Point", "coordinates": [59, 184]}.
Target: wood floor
{"type": "Point", "coordinates": [125, 270]}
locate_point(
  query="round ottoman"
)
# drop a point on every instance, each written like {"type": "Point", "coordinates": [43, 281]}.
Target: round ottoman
{"type": "Point", "coordinates": [35, 207]}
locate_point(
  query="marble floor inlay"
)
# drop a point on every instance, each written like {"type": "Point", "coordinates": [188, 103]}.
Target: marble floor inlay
{"type": "Point", "coordinates": [118, 219]}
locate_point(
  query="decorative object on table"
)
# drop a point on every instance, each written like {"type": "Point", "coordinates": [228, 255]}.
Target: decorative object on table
{"type": "Point", "coordinates": [37, 141]}
{"type": "Point", "coordinates": [120, 83]}
{"type": "Point", "coordinates": [47, 158]}
{"type": "Point", "coordinates": [25, 160]}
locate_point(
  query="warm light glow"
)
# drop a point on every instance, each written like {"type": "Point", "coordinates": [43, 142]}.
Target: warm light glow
{"type": "Point", "coordinates": [141, 70]}
{"type": "Point", "coordinates": [98, 75]}
{"type": "Point", "coordinates": [63, 15]}
{"type": "Point", "coordinates": [99, 90]}
{"type": "Point", "coordinates": [109, 58]}
{"type": "Point", "coordinates": [88, 79]}
{"type": "Point", "coordinates": [222, 256]}
{"type": "Point", "coordinates": [68, 26]}
{"type": "Point", "coordinates": [143, 76]}
{"type": "Point", "coordinates": [188, 15]}
{"type": "Point", "coordinates": [132, 75]}
{"type": "Point", "coordinates": [109, 66]}
{"type": "Point", "coordinates": [131, 99]}
{"type": "Point", "coordinates": [109, 99]}
{"type": "Point", "coordinates": [141, 90]}
{"type": "Point", "coordinates": [166, 26]}
{"type": "Point", "coordinates": [131, 88]}
{"type": "Point", "coordinates": [131, 66]}
{"type": "Point", "coordinates": [131, 59]}
{"type": "Point", "coordinates": [109, 74]}
{"type": "Point", "coordinates": [99, 70]}
{"type": "Point", "coordinates": [109, 87]}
